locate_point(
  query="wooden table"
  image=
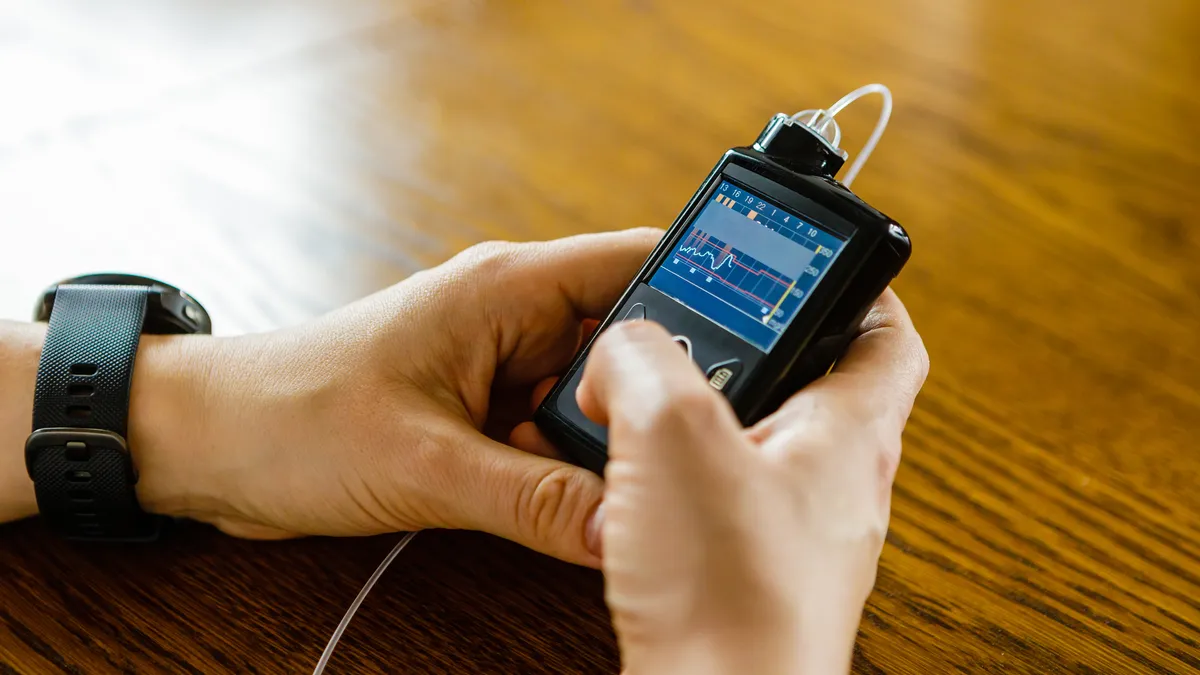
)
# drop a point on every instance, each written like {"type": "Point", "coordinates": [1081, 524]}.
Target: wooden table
{"type": "Point", "coordinates": [281, 158]}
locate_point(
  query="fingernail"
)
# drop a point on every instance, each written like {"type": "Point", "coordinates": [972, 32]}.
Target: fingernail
{"type": "Point", "coordinates": [595, 531]}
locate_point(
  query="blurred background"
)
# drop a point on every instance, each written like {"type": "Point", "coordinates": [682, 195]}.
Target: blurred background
{"type": "Point", "coordinates": [280, 158]}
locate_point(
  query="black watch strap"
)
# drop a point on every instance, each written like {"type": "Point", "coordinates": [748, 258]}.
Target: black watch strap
{"type": "Point", "coordinates": [77, 456]}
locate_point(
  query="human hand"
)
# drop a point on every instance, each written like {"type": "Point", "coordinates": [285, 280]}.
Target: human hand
{"type": "Point", "coordinates": [369, 419]}
{"type": "Point", "coordinates": [746, 551]}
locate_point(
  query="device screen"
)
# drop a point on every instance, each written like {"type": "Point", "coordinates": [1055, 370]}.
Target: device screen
{"type": "Point", "coordinates": [747, 264]}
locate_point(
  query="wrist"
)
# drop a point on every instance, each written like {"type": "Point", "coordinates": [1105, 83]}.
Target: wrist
{"type": "Point", "coordinates": [20, 351]}
{"type": "Point", "coordinates": [806, 623]}
{"type": "Point", "coordinates": [167, 424]}
{"type": "Point", "coordinates": [821, 648]}
{"type": "Point", "coordinates": [214, 421]}
{"type": "Point", "coordinates": [767, 647]}
{"type": "Point", "coordinates": [166, 431]}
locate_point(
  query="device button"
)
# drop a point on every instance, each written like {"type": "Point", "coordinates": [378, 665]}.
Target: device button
{"type": "Point", "coordinates": [722, 375]}
{"type": "Point", "coordinates": [683, 341]}
{"type": "Point", "coordinates": [636, 313]}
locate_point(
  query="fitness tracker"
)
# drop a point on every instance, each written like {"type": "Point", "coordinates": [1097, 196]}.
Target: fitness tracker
{"type": "Point", "coordinates": [763, 280]}
{"type": "Point", "coordinates": [81, 464]}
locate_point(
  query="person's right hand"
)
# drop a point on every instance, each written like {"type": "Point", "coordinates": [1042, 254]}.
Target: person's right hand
{"type": "Point", "coordinates": [746, 551]}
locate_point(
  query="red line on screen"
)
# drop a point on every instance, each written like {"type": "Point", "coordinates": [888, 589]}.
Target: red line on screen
{"type": "Point", "coordinates": [703, 239]}
{"type": "Point", "coordinates": [723, 280]}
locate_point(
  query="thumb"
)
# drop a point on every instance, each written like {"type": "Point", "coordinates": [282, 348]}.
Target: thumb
{"type": "Point", "coordinates": [538, 502]}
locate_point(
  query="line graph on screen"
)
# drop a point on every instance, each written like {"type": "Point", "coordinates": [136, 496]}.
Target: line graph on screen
{"type": "Point", "coordinates": [747, 264]}
{"type": "Point", "coordinates": [732, 276]}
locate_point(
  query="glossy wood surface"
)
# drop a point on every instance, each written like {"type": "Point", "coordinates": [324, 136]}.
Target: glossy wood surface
{"type": "Point", "coordinates": [279, 158]}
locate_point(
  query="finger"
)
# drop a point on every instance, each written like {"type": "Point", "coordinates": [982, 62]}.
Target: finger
{"type": "Point", "coordinates": [673, 443]}
{"type": "Point", "coordinates": [640, 384]}
{"type": "Point", "coordinates": [528, 438]}
{"type": "Point", "coordinates": [540, 391]}
{"type": "Point", "coordinates": [888, 358]}
{"type": "Point", "coordinates": [589, 327]}
{"type": "Point", "coordinates": [538, 294]}
{"type": "Point", "coordinates": [878, 378]}
{"type": "Point", "coordinates": [591, 270]}
{"type": "Point", "coordinates": [537, 502]}
{"type": "Point", "coordinates": [507, 408]}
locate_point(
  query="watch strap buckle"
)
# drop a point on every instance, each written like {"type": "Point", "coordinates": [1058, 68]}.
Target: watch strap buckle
{"type": "Point", "coordinates": [78, 447]}
{"type": "Point", "coordinates": [86, 480]}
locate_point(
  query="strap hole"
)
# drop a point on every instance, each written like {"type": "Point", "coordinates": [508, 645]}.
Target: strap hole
{"type": "Point", "coordinates": [79, 476]}
{"type": "Point", "coordinates": [79, 412]}
{"type": "Point", "coordinates": [80, 390]}
{"type": "Point", "coordinates": [77, 452]}
{"type": "Point", "coordinates": [85, 369]}
{"type": "Point", "coordinates": [81, 495]}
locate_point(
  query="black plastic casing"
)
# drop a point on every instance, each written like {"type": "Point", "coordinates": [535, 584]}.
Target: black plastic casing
{"type": "Point", "coordinates": [793, 166]}
{"type": "Point", "coordinates": [169, 311]}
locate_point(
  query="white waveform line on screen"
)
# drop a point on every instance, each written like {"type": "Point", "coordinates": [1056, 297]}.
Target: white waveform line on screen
{"type": "Point", "coordinates": [714, 265]}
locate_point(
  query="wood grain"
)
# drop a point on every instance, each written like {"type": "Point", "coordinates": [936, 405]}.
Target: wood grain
{"type": "Point", "coordinates": [281, 158]}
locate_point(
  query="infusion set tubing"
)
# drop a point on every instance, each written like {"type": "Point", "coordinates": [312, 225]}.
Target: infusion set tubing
{"type": "Point", "coordinates": [794, 166]}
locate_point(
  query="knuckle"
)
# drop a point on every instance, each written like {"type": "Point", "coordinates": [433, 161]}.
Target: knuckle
{"type": "Point", "coordinates": [888, 458]}
{"type": "Point", "coordinates": [431, 452]}
{"type": "Point", "coordinates": [858, 407]}
{"type": "Point", "coordinates": [922, 358]}
{"type": "Point", "coordinates": [862, 445]}
{"type": "Point", "coordinates": [801, 448]}
{"type": "Point", "coordinates": [490, 257]}
{"type": "Point", "coordinates": [547, 506]}
{"type": "Point", "coordinates": [801, 406]}
{"type": "Point", "coordinates": [872, 430]}
{"type": "Point", "coordinates": [478, 270]}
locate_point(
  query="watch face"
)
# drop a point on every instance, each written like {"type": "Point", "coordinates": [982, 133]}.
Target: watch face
{"type": "Point", "coordinates": [170, 310]}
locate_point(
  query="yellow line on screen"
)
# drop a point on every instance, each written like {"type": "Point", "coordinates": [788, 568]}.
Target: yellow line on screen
{"type": "Point", "coordinates": [781, 299]}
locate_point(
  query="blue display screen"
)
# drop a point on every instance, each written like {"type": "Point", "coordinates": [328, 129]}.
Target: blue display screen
{"type": "Point", "coordinates": [747, 265]}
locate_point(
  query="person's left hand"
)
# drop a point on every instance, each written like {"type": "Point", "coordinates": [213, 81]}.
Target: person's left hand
{"type": "Point", "coordinates": [373, 418]}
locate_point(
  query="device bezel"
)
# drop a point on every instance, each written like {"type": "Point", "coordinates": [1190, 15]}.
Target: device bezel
{"type": "Point", "coordinates": [805, 209]}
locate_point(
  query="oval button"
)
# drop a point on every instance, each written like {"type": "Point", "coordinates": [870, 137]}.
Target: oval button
{"type": "Point", "coordinates": [686, 343]}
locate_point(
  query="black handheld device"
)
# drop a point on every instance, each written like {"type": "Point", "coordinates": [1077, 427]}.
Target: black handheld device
{"type": "Point", "coordinates": [763, 278]}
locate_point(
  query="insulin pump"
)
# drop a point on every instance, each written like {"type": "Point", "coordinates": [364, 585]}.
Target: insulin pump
{"type": "Point", "coordinates": [763, 278]}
